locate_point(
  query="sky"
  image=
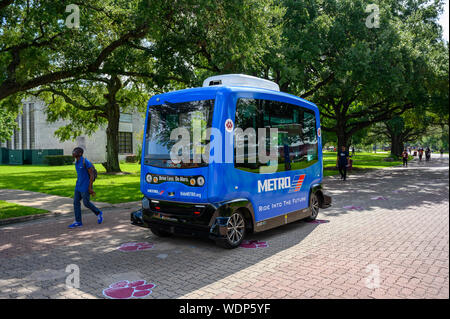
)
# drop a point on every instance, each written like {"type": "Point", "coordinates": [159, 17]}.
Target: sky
{"type": "Point", "coordinates": [444, 20]}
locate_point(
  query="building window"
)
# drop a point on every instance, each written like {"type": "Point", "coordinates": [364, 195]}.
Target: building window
{"type": "Point", "coordinates": [125, 143]}
{"type": "Point", "coordinates": [126, 118]}
{"type": "Point", "coordinates": [31, 126]}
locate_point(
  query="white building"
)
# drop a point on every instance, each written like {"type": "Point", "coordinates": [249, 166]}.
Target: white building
{"type": "Point", "coordinates": [36, 133]}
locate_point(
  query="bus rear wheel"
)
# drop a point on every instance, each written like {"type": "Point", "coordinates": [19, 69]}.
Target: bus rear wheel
{"type": "Point", "coordinates": [236, 226]}
{"type": "Point", "coordinates": [313, 207]}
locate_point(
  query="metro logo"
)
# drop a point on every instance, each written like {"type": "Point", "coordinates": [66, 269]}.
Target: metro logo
{"type": "Point", "coordinates": [297, 184]}
{"type": "Point", "coordinates": [273, 184]}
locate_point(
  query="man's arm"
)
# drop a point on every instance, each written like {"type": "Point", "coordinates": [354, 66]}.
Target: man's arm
{"type": "Point", "coordinates": [91, 181]}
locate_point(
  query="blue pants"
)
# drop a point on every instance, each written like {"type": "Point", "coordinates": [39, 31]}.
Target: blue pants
{"type": "Point", "coordinates": [86, 202]}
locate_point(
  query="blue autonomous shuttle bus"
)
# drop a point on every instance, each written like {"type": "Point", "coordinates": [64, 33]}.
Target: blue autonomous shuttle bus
{"type": "Point", "coordinates": [235, 193]}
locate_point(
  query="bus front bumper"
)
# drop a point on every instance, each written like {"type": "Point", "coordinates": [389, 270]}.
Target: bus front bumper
{"type": "Point", "coordinates": [170, 219]}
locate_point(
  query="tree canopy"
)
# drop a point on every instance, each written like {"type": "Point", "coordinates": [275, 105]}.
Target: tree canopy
{"type": "Point", "coordinates": [361, 63]}
{"type": "Point", "coordinates": [359, 75]}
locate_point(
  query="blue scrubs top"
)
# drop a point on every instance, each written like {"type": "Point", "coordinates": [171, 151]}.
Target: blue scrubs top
{"type": "Point", "coordinates": [342, 155]}
{"type": "Point", "coordinates": [82, 184]}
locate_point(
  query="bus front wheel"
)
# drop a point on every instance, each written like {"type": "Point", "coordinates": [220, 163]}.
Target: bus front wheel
{"type": "Point", "coordinates": [313, 207]}
{"type": "Point", "coordinates": [235, 231]}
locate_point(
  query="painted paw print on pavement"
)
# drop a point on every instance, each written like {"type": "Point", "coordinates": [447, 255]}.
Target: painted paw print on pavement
{"type": "Point", "coordinates": [254, 244]}
{"type": "Point", "coordinates": [135, 246]}
{"type": "Point", "coordinates": [126, 290]}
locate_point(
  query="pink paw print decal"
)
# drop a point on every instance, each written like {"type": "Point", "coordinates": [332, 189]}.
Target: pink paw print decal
{"type": "Point", "coordinates": [126, 290]}
{"type": "Point", "coordinates": [254, 244]}
{"type": "Point", "coordinates": [135, 246]}
{"type": "Point", "coordinates": [353, 207]}
{"type": "Point", "coordinates": [318, 221]}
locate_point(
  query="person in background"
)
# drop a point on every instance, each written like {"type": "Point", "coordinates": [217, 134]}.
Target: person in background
{"type": "Point", "coordinates": [405, 158]}
{"type": "Point", "coordinates": [442, 152]}
{"type": "Point", "coordinates": [427, 154]}
{"type": "Point", "coordinates": [353, 150]}
{"type": "Point", "coordinates": [83, 188]}
{"type": "Point", "coordinates": [342, 162]}
{"type": "Point", "coordinates": [420, 154]}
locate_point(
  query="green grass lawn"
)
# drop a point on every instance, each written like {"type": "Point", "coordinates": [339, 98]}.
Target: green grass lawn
{"type": "Point", "coordinates": [9, 210]}
{"type": "Point", "coordinates": [60, 180]}
{"type": "Point", "coordinates": [361, 161]}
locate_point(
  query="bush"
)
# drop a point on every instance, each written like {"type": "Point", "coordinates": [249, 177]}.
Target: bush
{"type": "Point", "coordinates": [131, 159]}
{"type": "Point", "coordinates": [58, 160]}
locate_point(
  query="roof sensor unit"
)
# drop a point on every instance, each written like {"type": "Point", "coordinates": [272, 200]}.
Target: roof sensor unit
{"type": "Point", "coordinates": [240, 80]}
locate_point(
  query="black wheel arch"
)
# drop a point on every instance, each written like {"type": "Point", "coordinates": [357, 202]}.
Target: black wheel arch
{"type": "Point", "coordinates": [317, 190]}
{"type": "Point", "coordinates": [324, 200]}
{"type": "Point", "coordinates": [228, 208]}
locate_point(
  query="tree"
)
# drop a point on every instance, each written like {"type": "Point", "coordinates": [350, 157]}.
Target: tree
{"type": "Point", "coordinates": [95, 100]}
{"type": "Point", "coordinates": [358, 75]}
{"type": "Point", "coordinates": [403, 129]}
{"type": "Point", "coordinates": [217, 37]}
{"type": "Point", "coordinates": [7, 124]}
{"type": "Point", "coordinates": [90, 103]}
{"type": "Point", "coordinates": [37, 48]}
{"type": "Point", "coordinates": [190, 42]}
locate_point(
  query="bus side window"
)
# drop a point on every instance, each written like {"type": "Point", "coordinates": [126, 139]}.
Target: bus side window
{"type": "Point", "coordinates": [297, 140]}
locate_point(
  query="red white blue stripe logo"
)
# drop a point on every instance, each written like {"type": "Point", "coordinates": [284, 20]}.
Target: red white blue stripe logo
{"type": "Point", "coordinates": [297, 182]}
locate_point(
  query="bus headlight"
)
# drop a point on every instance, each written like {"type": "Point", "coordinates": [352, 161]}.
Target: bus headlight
{"type": "Point", "coordinates": [192, 181]}
{"type": "Point", "coordinates": [201, 181]}
{"type": "Point", "coordinates": [148, 178]}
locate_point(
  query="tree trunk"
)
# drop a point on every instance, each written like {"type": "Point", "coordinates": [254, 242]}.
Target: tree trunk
{"type": "Point", "coordinates": [112, 139]}
{"type": "Point", "coordinates": [396, 145]}
{"type": "Point", "coordinates": [343, 138]}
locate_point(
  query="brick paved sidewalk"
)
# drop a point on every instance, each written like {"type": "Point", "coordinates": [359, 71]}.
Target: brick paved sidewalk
{"type": "Point", "coordinates": [404, 239]}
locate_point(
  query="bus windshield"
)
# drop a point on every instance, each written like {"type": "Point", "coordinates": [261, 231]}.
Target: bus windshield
{"type": "Point", "coordinates": [163, 119]}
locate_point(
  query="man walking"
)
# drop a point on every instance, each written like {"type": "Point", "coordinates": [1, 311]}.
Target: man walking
{"type": "Point", "coordinates": [342, 162]}
{"type": "Point", "coordinates": [83, 188]}
{"type": "Point", "coordinates": [405, 158]}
